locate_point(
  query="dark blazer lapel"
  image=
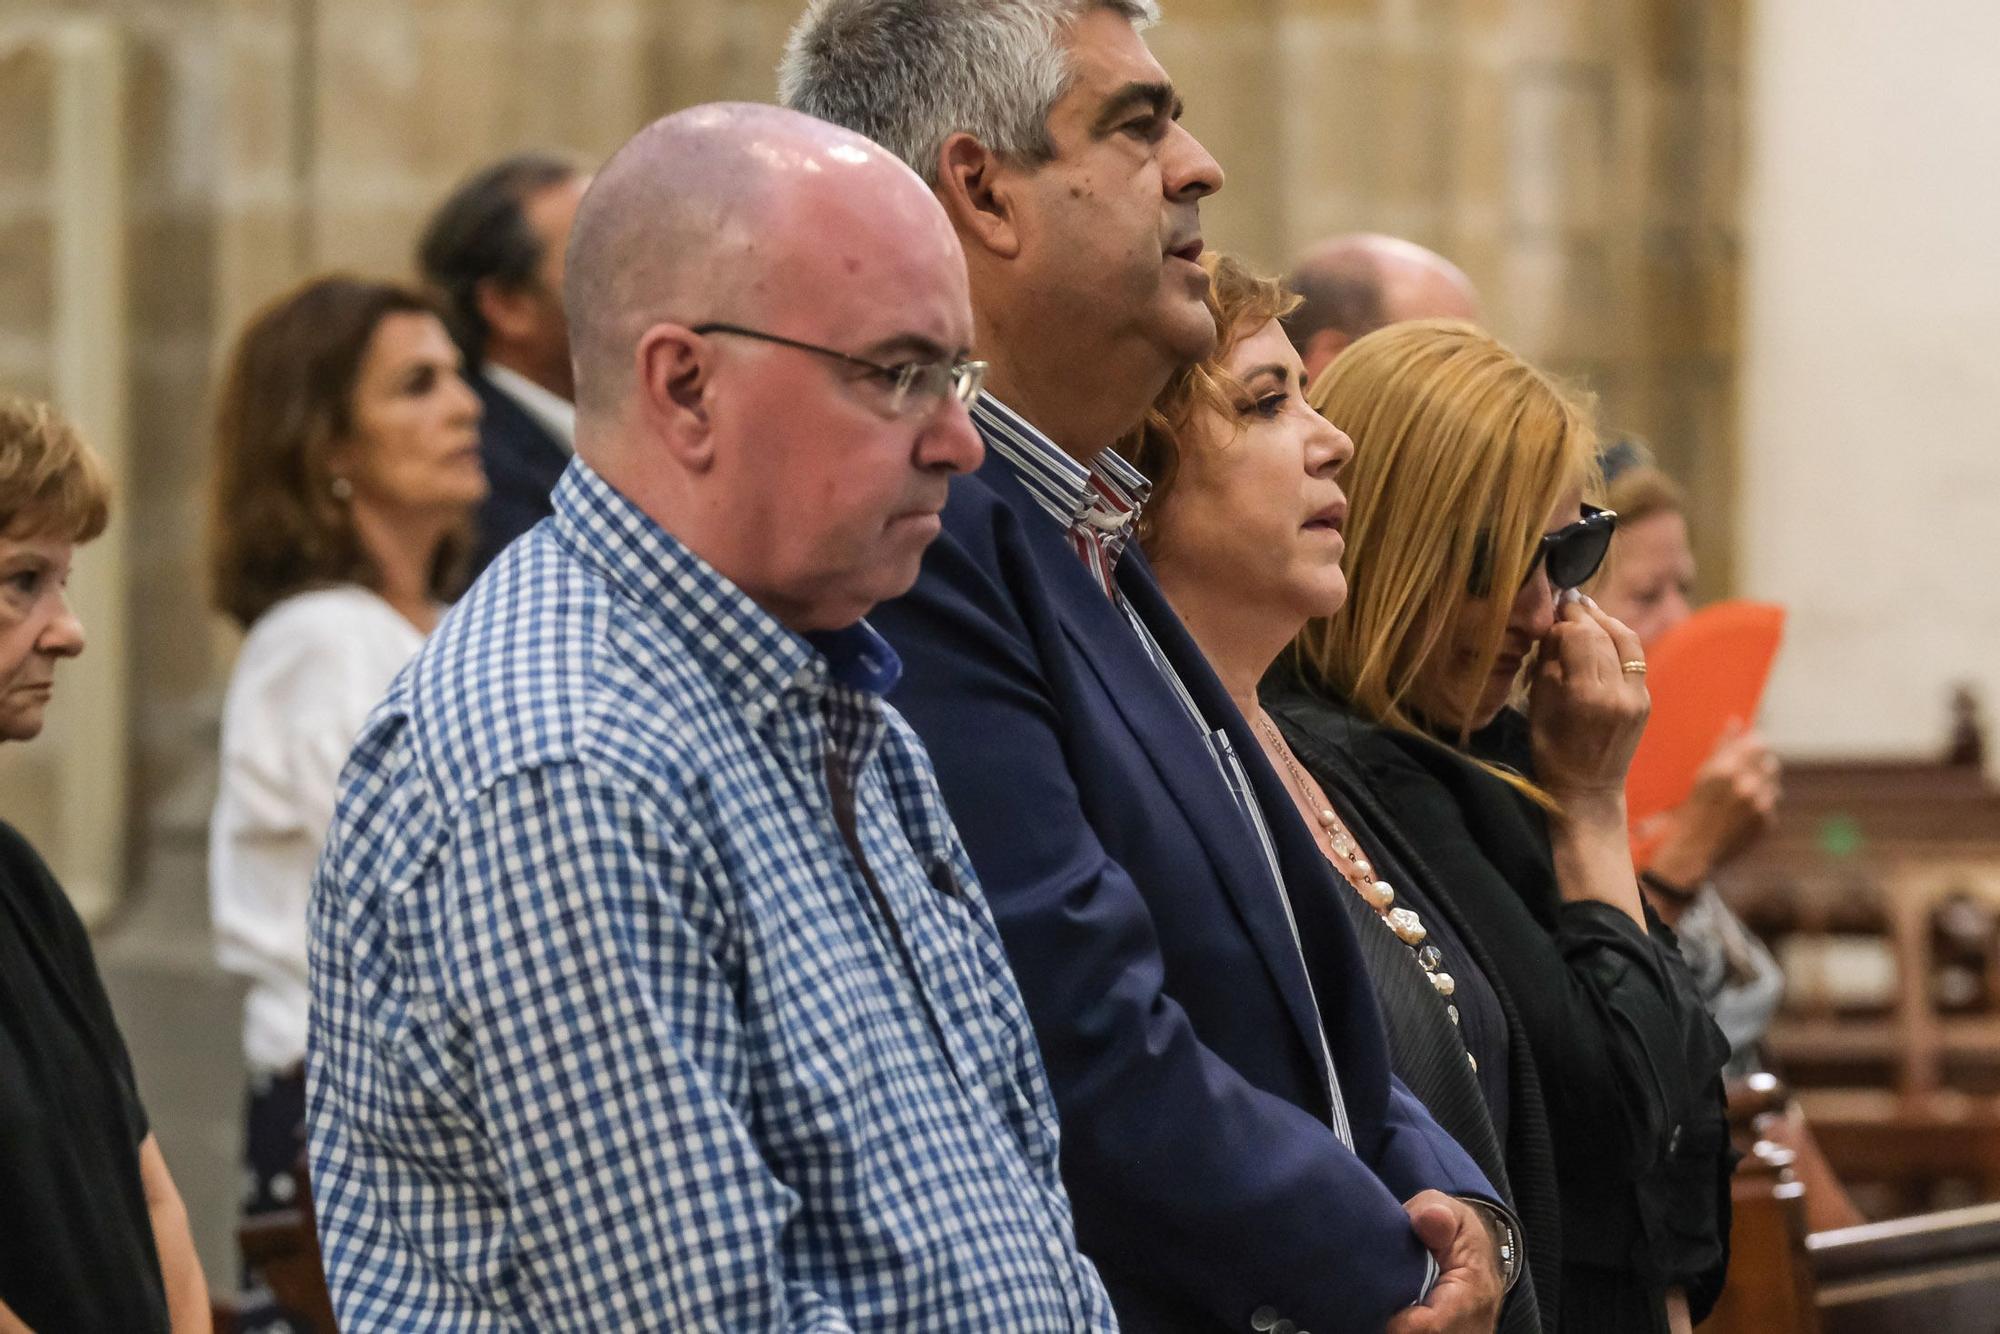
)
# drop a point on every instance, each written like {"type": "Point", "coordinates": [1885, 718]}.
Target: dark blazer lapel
{"type": "Point", "coordinates": [1339, 976]}
{"type": "Point", "coordinates": [1185, 766]}
{"type": "Point", "coordinates": [527, 442]}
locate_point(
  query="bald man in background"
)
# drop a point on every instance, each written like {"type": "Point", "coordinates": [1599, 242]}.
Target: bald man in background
{"type": "Point", "coordinates": [1353, 285]}
{"type": "Point", "coordinates": [652, 986]}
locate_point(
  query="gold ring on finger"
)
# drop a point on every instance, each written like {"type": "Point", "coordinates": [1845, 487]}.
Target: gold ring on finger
{"type": "Point", "coordinates": [1636, 666]}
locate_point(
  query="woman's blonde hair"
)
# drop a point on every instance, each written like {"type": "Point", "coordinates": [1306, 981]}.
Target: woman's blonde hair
{"type": "Point", "coordinates": [1242, 301]}
{"type": "Point", "coordinates": [1461, 449]}
{"type": "Point", "coordinates": [51, 483]}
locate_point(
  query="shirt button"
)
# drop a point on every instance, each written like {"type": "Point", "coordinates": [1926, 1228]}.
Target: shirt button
{"type": "Point", "coordinates": [1284, 1327]}
{"type": "Point", "coordinates": [1263, 1318]}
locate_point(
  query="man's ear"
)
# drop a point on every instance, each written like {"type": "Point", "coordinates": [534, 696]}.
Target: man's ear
{"type": "Point", "coordinates": [980, 194]}
{"type": "Point", "coordinates": [509, 312]}
{"type": "Point", "coordinates": [672, 367]}
{"type": "Point", "coordinates": [1320, 350]}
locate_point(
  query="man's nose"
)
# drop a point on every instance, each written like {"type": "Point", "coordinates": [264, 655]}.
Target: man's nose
{"type": "Point", "coordinates": [950, 442]}
{"type": "Point", "coordinates": [1190, 171]}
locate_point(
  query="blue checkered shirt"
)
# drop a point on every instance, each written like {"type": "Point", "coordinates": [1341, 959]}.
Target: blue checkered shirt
{"type": "Point", "coordinates": [609, 1029]}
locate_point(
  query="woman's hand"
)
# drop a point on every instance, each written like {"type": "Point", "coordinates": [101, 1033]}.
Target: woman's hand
{"type": "Point", "coordinates": [1585, 715]}
{"type": "Point", "coordinates": [1735, 798]}
{"type": "Point", "coordinates": [1585, 711]}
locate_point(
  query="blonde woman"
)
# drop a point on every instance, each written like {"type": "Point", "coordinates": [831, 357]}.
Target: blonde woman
{"type": "Point", "coordinates": [1467, 536]}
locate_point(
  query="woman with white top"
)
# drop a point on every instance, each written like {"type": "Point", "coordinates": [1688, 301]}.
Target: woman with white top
{"type": "Point", "coordinates": [347, 473]}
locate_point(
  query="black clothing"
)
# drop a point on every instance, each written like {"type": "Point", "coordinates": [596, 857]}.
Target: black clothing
{"type": "Point", "coordinates": [76, 1239]}
{"type": "Point", "coordinates": [1511, 1127]}
{"type": "Point", "coordinates": [522, 462]}
{"type": "Point", "coordinates": [274, 1140]}
{"type": "Point", "coordinates": [1629, 1061]}
{"type": "Point", "coordinates": [273, 1152]}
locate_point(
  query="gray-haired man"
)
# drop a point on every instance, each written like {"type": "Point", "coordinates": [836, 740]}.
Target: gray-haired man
{"type": "Point", "coordinates": [1236, 1151]}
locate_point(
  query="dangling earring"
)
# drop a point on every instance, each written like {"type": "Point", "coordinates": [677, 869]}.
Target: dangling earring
{"type": "Point", "coordinates": [343, 490]}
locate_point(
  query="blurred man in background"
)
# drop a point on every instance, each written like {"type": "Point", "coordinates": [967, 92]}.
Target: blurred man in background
{"type": "Point", "coordinates": [1354, 284]}
{"type": "Point", "coordinates": [494, 252]}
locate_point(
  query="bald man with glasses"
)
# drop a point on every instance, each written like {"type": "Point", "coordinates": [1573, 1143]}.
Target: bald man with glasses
{"type": "Point", "coordinates": [653, 988]}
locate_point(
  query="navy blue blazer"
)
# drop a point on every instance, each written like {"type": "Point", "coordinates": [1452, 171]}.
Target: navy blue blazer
{"type": "Point", "coordinates": [523, 462]}
{"type": "Point", "coordinates": [1177, 1025]}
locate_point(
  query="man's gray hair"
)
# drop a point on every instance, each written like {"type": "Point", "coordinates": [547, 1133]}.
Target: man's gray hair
{"type": "Point", "coordinates": [909, 74]}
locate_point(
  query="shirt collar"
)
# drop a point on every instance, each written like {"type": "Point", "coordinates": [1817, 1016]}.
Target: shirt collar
{"type": "Point", "coordinates": [754, 659]}
{"type": "Point", "coordinates": [1060, 485]}
{"type": "Point", "coordinates": [556, 414]}
{"type": "Point", "coordinates": [858, 658]}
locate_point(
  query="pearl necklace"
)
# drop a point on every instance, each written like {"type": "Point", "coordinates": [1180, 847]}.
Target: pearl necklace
{"type": "Point", "coordinates": [1360, 873]}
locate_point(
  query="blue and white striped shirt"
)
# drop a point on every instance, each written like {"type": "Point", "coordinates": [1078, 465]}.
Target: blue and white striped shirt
{"type": "Point", "coordinates": [609, 1029]}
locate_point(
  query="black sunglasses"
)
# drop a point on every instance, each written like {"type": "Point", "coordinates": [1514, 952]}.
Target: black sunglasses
{"type": "Point", "coordinates": [1572, 553]}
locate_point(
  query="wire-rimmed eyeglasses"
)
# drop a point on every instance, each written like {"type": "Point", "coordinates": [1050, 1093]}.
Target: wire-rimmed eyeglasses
{"type": "Point", "coordinates": [914, 386]}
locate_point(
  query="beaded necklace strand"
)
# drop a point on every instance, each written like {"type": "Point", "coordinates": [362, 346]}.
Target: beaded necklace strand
{"type": "Point", "coordinates": [1355, 868]}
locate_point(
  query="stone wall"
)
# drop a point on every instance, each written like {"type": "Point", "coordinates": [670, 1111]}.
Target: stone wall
{"type": "Point", "coordinates": [27, 90]}
{"type": "Point", "coordinates": [169, 161]}
{"type": "Point", "coordinates": [1578, 157]}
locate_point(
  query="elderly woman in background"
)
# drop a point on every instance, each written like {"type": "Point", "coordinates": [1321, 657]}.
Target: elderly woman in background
{"type": "Point", "coordinates": [93, 1234]}
{"type": "Point", "coordinates": [1467, 537]}
{"type": "Point", "coordinates": [347, 473]}
{"type": "Point", "coordinates": [1243, 529]}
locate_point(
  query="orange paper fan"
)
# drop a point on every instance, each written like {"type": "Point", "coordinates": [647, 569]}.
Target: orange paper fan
{"type": "Point", "coordinates": [1704, 673]}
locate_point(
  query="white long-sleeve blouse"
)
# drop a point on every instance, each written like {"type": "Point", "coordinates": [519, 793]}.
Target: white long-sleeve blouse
{"type": "Point", "coordinates": [311, 670]}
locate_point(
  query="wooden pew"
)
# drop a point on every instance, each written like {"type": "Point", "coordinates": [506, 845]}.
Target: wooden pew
{"type": "Point", "coordinates": [284, 1247]}
{"type": "Point", "coordinates": [1932, 1274]}
{"type": "Point", "coordinates": [1899, 1035]}
{"type": "Point", "coordinates": [1770, 1288]}
{"type": "Point", "coordinates": [1937, 1273]}
{"type": "Point", "coordinates": [1863, 858]}
{"type": "Point", "coordinates": [1902, 1150]}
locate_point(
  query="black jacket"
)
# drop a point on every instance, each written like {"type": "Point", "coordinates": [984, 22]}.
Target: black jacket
{"type": "Point", "coordinates": [522, 462]}
{"type": "Point", "coordinates": [1425, 1055]}
{"type": "Point", "coordinates": [1628, 1060]}
{"type": "Point", "coordinates": [76, 1235]}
